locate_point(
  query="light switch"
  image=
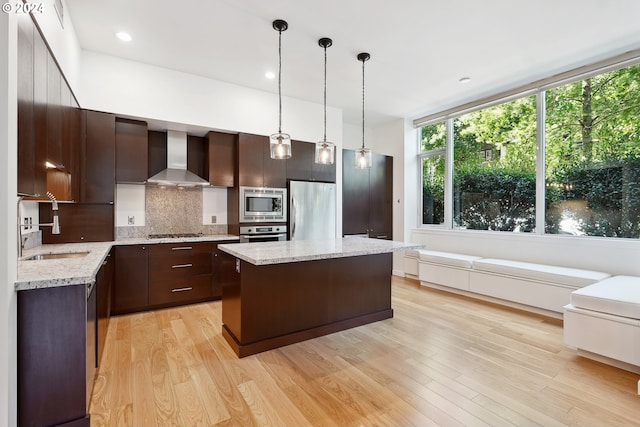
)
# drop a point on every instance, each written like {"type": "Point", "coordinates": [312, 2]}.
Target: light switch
{"type": "Point", "coordinates": [131, 220]}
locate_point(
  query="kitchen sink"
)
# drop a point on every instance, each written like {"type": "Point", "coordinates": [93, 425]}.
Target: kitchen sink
{"type": "Point", "coordinates": [63, 255]}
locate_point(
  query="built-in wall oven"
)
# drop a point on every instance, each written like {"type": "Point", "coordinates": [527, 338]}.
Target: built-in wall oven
{"type": "Point", "coordinates": [263, 233]}
{"type": "Point", "coordinates": [262, 204]}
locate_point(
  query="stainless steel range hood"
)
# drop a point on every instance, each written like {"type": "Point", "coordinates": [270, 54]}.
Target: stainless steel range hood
{"type": "Point", "coordinates": [176, 172]}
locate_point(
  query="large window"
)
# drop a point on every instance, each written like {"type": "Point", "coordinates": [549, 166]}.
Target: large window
{"type": "Point", "coordinates": [593, 156]}
{"type": "Point", "coordinates": [433, 141]}
{"type": "Point", "coordinates": [591, 146]}
{"type": "Point", "coordinates": [494, 181]}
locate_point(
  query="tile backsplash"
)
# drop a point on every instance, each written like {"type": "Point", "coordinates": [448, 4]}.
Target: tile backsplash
{"type": "Point", "coordinates": [172, 210]}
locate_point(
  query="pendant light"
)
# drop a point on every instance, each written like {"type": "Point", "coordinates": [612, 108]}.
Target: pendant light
{"type": "Point", "coordinates": [363, 155]}
{"type": "Point", "coordinates": [280, 143]}
{"type": "Point", "coordinates": [325, 150]}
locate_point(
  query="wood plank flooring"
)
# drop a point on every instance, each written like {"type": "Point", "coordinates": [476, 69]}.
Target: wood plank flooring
{"type": "Point", "coordinates": [443, 360]}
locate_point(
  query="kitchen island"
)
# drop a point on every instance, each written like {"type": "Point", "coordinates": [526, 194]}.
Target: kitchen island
{"type": "Point", "coordinates": [290, 291]}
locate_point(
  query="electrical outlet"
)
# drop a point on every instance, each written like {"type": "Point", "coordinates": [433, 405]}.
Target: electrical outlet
{"type": "Point", "coordinates": [26, 223]}
{"type": "Point", "coordinates": [214, 219]}
{"type": "Point", "coordinates": [131, 220]}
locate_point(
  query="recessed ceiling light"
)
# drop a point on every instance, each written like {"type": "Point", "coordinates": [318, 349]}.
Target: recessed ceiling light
{"type": "Point", "coordinates": [270, 75]}
{"type": "Point", "coordinates": [125, 37]}
{"type": "Point", "coordinates": [465, 80]}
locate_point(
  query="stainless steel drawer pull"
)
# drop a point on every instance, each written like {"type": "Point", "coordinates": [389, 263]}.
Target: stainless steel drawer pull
{"type": "Point", "coordinates": [182, 266]}
{"type": "Point", "coordinates": [381, 237]}
{"type": "Point", "coordinates": [181, 289]}
{"type": "Point", "coordinates": [182, 248]}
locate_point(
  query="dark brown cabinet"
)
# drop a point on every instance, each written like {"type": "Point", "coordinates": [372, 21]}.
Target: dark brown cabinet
{"type": "Point", "coordinates": [180, 273]}
{"type": "Point", "coordinates": [104, 284]}
{"type": "Point", "coordinates": [99, 143]}
{"type": "Point", "coordinates": [54, 113]}
{"type": "Point", "coordinates": [220, 158]}
{"type": "Point", "coordinates": [79, 222]}
{"type": "Point", "coordinates": [32, 177]}
{"type": "Point", "coordinates": [131, 151]}
{"type": "Point", "coordinates": [54, 346]}
{"type": "Point", "coordinates": [367, 196]}
{"type": "Point", "coordinates": [131, 285]}
{"type": "Point", "coordinates": [302, 166]}
{"type": "Point", "coordinates": [255, 166]}
{"type": "Point", "coordinates": [224, 269]}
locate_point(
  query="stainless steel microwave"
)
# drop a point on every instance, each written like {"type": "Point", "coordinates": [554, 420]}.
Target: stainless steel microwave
{"type": "Point", "coordinates": [262, 204]}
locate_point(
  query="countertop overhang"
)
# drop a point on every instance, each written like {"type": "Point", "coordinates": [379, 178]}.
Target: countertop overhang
{"type": "Point", "coordinates": [82, 271]}
{"type": "Point", "coordinates": [266, 253]}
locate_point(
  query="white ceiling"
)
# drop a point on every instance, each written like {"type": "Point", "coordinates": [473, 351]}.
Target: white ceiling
{"type": "Point", "coordinates": [419, 48]}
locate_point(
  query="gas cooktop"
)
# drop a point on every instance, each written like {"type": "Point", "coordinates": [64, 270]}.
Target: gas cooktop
{"type": "Point", "coordinates": [173, 235]}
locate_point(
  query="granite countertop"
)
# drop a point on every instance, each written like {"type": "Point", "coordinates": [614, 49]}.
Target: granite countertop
{"type": "Point", "coordinates": [48, 273]}
{"type": "Point", "coordinates": [264, 253]}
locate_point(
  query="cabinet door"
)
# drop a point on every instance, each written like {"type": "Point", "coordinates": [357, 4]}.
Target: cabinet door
{"type": "Point", "coordinates": [54, 113]}
{"type": "Point", "coordinates": [79, 223]}
{"type": "Point", "coordinates": [157, 152]}
{"type": "Point", "coordinates": [300, 165]}
{"type": "Point", "coordinates": [220, 159]}
{"type": "Point", "coordinates": [381, 196]}
{"type": "Point", "coordinates": [195, 155]}
{"type": "Point", "coordinates": [91, 343]}
{"type": "Point", "coordinates": [250, 166]}
{"type": "Point", "coordinates": [274, 170]}
{"type": "Point", "coordinates": [27, 154]}
{"type": "Point", "coordinates": [40, 59]}
{"type": "Point", "coordinates": [132, 154]}
{"type": "Point", "coordinates": [131, 285]}
{"type": "Point", "coordinates": [70, 140]}
{"type": "Point", "coordinates": [99, 157]}
{"type": "Point", "coordinates": [355, 196]}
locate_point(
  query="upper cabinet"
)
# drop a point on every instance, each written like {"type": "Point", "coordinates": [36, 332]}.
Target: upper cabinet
{"type": "Point", "coordinates": [99, 143]}
{"type": "Point", "coordinates": [302, 166]}
{"type": "Point", "coordinates": [48, 121]}
{"type": "Point", "coordinates": [367, 196]}
{"type": "Point", "coordinates": [220, 158]}
{"type": "Point", "coordinates": [255, 166]}
{"type": "Point", "coordinates": [132, 152]}
{"type": "Point", "coordinates": [32, 178]}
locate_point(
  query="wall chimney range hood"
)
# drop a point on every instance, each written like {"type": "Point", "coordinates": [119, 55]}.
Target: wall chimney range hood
{"type": "Point", "coordinates": [176, 173]}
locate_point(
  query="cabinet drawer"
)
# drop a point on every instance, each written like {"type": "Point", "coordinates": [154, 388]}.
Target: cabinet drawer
{"type": "Point", "coordinates": [182, 290]}
{"type": "Point", "coordinates": [180, 248]}
{"type": "Point", "coordinates": [179, 266]}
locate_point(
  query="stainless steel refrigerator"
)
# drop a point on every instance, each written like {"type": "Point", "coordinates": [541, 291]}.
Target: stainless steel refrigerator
{"type": "Point", "coordinates": [312, 210]}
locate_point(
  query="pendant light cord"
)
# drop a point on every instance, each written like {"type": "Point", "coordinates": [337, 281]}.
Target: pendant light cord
{"type": "Point", "coordinates": [279, 81]}
{"type": "Point", "coordinates": [363, 104]}
{"type": "Point", "coordinates": [325, 94]}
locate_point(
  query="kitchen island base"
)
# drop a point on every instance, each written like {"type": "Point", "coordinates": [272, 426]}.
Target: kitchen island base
{"type": "Point", "coordinates": [270, 306]}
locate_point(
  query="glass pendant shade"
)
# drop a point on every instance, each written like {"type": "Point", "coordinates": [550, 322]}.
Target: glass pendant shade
{"type": "Point", "coordinates": [279, 142]}
{"type": "Point", "coordinates": [325, 153]}
{"type": "Point", "coordinates": [363, 158]}
{"type": "Point", "coordinates": [280, 146]}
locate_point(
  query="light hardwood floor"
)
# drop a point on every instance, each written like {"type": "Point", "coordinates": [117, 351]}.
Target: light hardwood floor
{"type": "Point", "coordinates": [443, 360]}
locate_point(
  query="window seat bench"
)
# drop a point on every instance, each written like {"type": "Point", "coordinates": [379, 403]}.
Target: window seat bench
{"type": "Point", "coordinates": [541, 288]}
{"type": "Point", "coordinates": [602, 321]}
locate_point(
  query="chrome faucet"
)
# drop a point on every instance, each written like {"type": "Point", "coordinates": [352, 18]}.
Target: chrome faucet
{"type": "Point", "coordinates": [55, 225]}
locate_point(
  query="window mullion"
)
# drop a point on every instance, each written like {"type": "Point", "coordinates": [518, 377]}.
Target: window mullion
{"type": "Point", "coordinates": [540, 163]}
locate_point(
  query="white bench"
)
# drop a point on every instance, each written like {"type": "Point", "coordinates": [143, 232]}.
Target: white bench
{"type": "Point", "coordinates": [602, 321]}
{"type": "Point", "coordinates": [540, 288]}
{"type": "Point", "coordinates": [539, 285]}
{"type": "Point", "coordinates": [445, 268]}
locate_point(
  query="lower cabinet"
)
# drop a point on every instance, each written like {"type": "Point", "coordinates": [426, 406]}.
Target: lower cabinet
{"type": "Point", "coordinates": [56, 355]}
{"type": "Point", "coordinates": [131, 286]}
{"type": "Point", "coordinates": [104, 285]}
{"type": "Point", "coordinates": [163, 275]}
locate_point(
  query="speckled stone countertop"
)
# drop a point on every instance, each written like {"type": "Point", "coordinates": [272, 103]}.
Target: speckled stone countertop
{"type": "Point", "coordinates": [307, 250]}
{"type": "Point", "coordinates": [48, 273]}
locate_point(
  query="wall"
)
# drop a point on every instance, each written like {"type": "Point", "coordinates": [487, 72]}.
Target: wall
{"type": "Point", "coordinates": [8, 217]}
{"type": "Point", "coordinates": [179, 99]}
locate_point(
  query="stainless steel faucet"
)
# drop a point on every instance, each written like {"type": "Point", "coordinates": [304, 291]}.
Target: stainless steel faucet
{"type": "Point", "coordinates": [55, 225]}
